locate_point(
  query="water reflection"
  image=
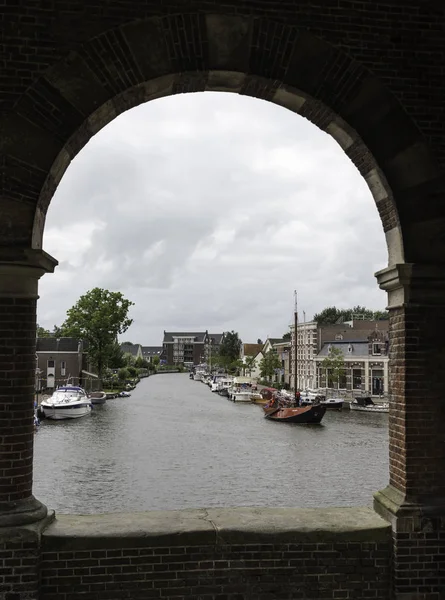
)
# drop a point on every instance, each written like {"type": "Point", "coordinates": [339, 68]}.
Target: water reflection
{"type": "Point", "coordinates": [174, 444]}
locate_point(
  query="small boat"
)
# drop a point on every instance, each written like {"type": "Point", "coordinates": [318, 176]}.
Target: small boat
{"type": "Point", "coordinates": [98, 397]}
{"type": "Point", "coordinates": [298, 414]}
{"type": "Point", "coordinates": [67, 402]}
{"type": "Point", "coordinates": [243, 389]}
{"type": "Point", "coordinates": [330, 403]}
{"type": "Point", "coordinates": [333, 403]}
{"type": "Point", "coordinates": [124, 394]}
{"type": "Point", "coordinates": [366, 404]}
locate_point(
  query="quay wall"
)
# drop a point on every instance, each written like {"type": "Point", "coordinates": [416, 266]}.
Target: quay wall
{"type": "Point", "coordinates": [218, 554]}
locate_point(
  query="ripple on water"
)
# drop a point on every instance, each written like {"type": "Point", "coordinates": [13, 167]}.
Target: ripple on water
{"type": "Point", "coordinates": [173, 444]}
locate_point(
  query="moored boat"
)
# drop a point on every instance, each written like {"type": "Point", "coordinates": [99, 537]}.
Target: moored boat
{"type": "Point", "coordinates": [366, 404]}
{"type": "Point", "coordinates": [98, 397]}
{"type": "Point", "coordinates": [333, 403]}
{"type": "Point", "coordinates": [298, 414]}
{"type": "Point", "coordinates": [67, 402]}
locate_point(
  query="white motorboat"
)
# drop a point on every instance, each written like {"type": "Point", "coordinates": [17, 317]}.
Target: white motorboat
{"type": "Point", "coordinates": [216, 380]}
{"type": "Point", "coordinates": [366, 404]}
{"type": "Point", "coordinates": [223, 385]}
{"type": "Point", "coordinates": [243, 389]}
{"type": "Point", "coordinates": [67, 402]}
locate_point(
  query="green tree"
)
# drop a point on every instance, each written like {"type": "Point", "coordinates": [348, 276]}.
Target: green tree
{"type": "Point", "coordinates": [42, 332]}
{"type": "Point", "coordinates": [334, 366]}
{"type": "Point", "coordinates": [269, 363]}
{"type": "Point", "coordinates": [139, 362]}
{"type": "Point", "coordinates": [259, 341]}
{"type": "Point", "coordinates": [381, 315]}
{"type": "Point", "coordinates": [286, 337]}
{"type": "Point", "coordinates": [123, 374]}
{"type": "Point", "coordinates": [156, 360]}
{"type": "Point", "coordinates": [230, 347]}
{"type": "Point", "coordinates": [132, 371]}
{"type": "Point", "coordinates": [328, 316]}
{"type": "Point", "coordinates": [98, 317]}
{"type": "Point", "coordinates": [129, 360]}
{"type": "Point", "coordinates": [332, 314]}
{"type": "Point", "coordinates": [116, 357]}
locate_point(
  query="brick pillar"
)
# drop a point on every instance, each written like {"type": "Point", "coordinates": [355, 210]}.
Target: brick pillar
{"type": "Point", "coordinates": [20, 271]}
{"type": "Point", "coordinates": [414, 501]}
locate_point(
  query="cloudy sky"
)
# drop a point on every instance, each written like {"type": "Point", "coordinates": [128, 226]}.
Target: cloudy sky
{"type": "Point", "coordinates": [207, 211]}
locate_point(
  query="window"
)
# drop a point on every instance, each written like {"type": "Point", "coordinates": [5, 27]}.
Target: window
{"type": "Point", "coordinates": [377, 348]}
{"type": "Point", "coordinates": [356, 379]}
{"type": "Point", "coordinates": [63, 368]}
{"type": "Point", "coordinates": [338, 336]}
{"type": "Point", "coordinates": [50, 364]}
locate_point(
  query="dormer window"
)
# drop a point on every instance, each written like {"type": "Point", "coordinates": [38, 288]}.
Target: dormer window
{"type": "Point", "coordinates": [338, 336]}
{"type": "Point", "coordinates": [349, 348]}
{"type": "Point", "coordinates": [377, 349]}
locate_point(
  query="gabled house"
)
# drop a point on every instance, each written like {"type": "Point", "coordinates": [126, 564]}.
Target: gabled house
{"type": "Point", "coordinates": [251, 355]}
{"type": "Point", "coordinates": [134, 349]}
{"type": "Point", "coordinates": [269, 344]}
{"type": "Point", "coordinates": [149, 352]}
{"type": "Point", "coordinates": [60, 361]}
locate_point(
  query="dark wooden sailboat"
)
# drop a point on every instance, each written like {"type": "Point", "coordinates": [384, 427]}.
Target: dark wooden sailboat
{"type": "Point", "coordinates": [295, 414]}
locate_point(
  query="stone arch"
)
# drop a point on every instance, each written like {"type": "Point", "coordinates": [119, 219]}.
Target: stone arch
{"type": "Point", "coordinates": [159, 56]}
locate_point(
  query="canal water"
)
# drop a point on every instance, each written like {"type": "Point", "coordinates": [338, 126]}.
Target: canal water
{"type": "Point", "coordinates": [173, 444]}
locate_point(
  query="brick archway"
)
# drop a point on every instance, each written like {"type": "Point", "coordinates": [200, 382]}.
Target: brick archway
{"type": "Point", "coordinates": [151, 58]}
{"type": "Point", "coordinates": [354, 75]}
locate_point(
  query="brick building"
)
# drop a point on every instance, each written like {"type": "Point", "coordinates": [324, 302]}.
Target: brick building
{"type": "Point", "coordinates": [365, 365]}
{"type": "Point", "coordinates": [184, 348]}
{"type": "Point", "coordinates": [312, 338]}
{"type": "Point", "coordinates": [59, 361]}
{"type": "Point", "coordinates": [370, 75]}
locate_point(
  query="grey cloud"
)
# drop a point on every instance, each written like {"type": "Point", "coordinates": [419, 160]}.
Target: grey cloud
{"type": "Point", "coordinates": [207, 210]}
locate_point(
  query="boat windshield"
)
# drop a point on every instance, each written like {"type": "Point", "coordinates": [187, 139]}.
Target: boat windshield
{"type": "Point", "coordinates": [65, 396]}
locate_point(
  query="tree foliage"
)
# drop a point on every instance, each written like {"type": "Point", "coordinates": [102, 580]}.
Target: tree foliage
{"type": "Point", "coordinates": [334, 365]}
{"type": "Point", "coordinates": [269, 363]}
{"type": "Point", "coordinates": [42, 332]}
{"type": "Point", "coordinates": [99, 316]}
{"type": "Point", "coordinates": [249, 364]}
{"type": "Point", "coordinates": [230, 347]}
{"type": "Point", "coordinates": [287, 337]}
{"type": "Point", "coordinates": [115, 357]}
{"type": "Point", "coordinates": [332, 314]}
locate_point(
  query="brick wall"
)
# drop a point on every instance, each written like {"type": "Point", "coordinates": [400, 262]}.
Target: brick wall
{"type": "Point", "coordinates": [17, 380]}
{"type": "Point", "coordinates": [303, 554]}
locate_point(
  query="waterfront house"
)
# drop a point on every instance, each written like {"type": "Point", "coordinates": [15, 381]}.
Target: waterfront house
{"type": "Point", "coordinates": [61, 360]}
{"type": "Point", "coordinates": [149, 352]}
{"type": "Point", "coordinates": [135, 350]}
{"type": "Point", "coordinates": [311, 338]}
{"type": "Point", "coordinates": [249, 351]}
{"type": "Point", "coordinates": [365, 365]}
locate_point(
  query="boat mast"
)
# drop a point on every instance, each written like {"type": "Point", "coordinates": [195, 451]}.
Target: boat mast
{"type": "Point", "coordinates": [295, 345]}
